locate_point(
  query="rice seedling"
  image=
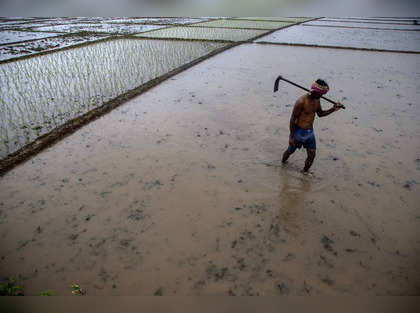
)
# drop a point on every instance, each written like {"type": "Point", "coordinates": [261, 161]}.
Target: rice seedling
{"type": "Point", "coordinates": [204, 33]}
{"type": "Point", "coordinates": [9, 36]}
{"type": "Point", "coordinates": [50, 89]}
{"type": "Point", "coordinates": [243, 24]}
{"type": "Point", "coordinates": [280, 19]}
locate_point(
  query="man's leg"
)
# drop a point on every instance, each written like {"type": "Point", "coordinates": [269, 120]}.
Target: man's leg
{"type": "Point", "coordinates": [288, 153]}
{"type": "Point", "coordinates": [309, 160]}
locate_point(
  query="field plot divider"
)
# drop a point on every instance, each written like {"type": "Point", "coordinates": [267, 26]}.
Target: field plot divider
{"type": "Point", "coordinates": [29, 30]}
{"type": "Point", "coordinates": [152, 30]}
{"type": "Point", "coordinates": [60, 34]}
{"type": "Point", "coordinates": [391, 17]}
{"type": "Point", "coordinates": [374, 28]}
{"type": "Point", "coordinates": [26, 22]}
{"type": "Point", "coordinates": [199, 22]}
{"type": "Point", "coordinates": [280, 28]}
{"type": "Point", "coordinates": [279, 21]}
{"type": "Point", "coordinates": [168, 26]}
{"type": "Point", "coordinates": [366, 22]}
{"type": "Point", "coordinates": [77, 45]}
{"type": "Point", "coordinates": [246, 28]}
{"type": "Point", "coordinates": [335, 47]}
{"type": "Point", "coordinates": [131, 37]}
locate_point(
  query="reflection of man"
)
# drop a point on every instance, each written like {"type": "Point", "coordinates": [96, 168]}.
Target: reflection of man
{"type": "Point", "coordinates": [302, 120]}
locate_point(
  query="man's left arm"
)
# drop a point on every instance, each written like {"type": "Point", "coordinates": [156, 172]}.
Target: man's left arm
{"type": "Point", "coordinates": [321, 113]}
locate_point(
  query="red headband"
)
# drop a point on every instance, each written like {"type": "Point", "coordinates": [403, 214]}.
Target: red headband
{"type": "Point", "coordinates": [320, 89]}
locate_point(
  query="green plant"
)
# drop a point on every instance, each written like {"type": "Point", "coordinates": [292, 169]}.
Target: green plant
{"type": "Point", "coordinates": [10, 288]}
{"type": "Point", "coordinates": [46, 293]}
{"type": "Point", "coordinates": [77, 290]}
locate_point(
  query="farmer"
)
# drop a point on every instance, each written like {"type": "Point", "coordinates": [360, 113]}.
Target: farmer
{"type": "Point", "coordinates": [301, 122]}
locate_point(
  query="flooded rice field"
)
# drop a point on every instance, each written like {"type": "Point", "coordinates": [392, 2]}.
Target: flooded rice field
{"type": "Point", "coordinates": [347, 37]}
{"type": "Point", "coordinates": [409, 27]}
{"type": "Point", "coordinates": [244, 24]}
{"type": "Point", "coordinates": [103, 28]}
{"type": "Point", "coordinates": [391, 21]}
{"type": "Point", "coordinates": [181, 190]}
{"type": "Point", "coordinates": [278, 19]}
{"type": "Point", "coordinates": [161, 20]}
{"type": "Point", "coordinates": [39, 94]}
{"type": "Point", "coordinates": [99, 20]}
{"type": "Point", "coordinates": [203, 33]}
{"type": "Point", "coordinates": [19, 26]}
{"type": "Point", "coordinates": [17, 50]}
{"type": "Point", "coordinates": [12, 36]}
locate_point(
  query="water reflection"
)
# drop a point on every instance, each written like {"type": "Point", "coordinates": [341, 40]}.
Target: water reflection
{"type": "Point", "coordinates": [294, 191]}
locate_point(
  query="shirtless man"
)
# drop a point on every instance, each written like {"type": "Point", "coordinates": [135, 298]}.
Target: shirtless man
{"type": "Point", "coordinates": [302, 120]}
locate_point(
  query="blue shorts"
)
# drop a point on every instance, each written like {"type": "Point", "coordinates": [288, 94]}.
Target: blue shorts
{"type": "Point", "coordinates": [303, 137]}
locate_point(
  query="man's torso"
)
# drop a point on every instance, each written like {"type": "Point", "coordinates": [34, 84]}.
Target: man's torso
{"type": "Point", "coordinates": [307, 115]}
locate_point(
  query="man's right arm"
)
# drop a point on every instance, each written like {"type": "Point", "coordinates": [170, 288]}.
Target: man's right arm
{"type": "Point", "coordinates": [297, 109]}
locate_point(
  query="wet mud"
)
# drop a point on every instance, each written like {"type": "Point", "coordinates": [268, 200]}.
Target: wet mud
{"type": "Point", "coordinates": [181, 191]}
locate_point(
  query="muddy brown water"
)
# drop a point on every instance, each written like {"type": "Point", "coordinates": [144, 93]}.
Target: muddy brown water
{"type": "Point", "coordinates": [181, 192]}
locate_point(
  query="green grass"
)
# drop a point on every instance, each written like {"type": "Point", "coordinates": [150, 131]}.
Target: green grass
{"type": "Point", "coordinates": [10, 288]}
{"type": "Point", "coordinates": [46, 293]}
